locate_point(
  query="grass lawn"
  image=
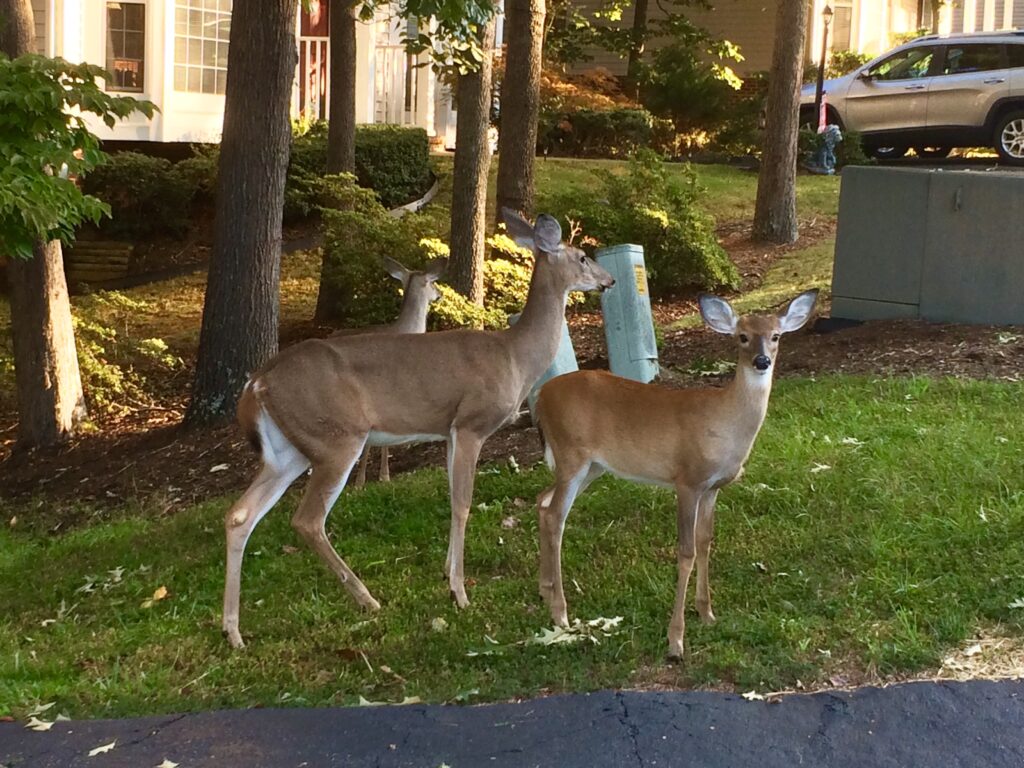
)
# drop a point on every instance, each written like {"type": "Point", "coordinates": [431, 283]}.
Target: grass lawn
{"type": "Point", "coordinates": [879, 523]}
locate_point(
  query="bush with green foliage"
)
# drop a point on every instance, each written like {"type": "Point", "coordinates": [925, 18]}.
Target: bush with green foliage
{"type": "Point", "coordinates": [146, 195]}
{"type": "Point", "coordinates": [596, 133]}
{"type": "Point", "coordinates": [647, 207]}
{"type": "Point", "coordinates": [392, 160]}
{"type": "Point", "coordinates": [850, 150]}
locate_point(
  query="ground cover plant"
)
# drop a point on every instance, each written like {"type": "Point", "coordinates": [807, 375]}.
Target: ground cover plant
{"type": "Point", "coordinates": [877, 526]}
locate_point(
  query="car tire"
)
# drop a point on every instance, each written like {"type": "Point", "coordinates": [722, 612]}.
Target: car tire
{"type": "Point", "coordinates": [888, 153]}
{"type": "Point", "coordinates": [1009, 137]}
{"type": "Point", "coordinates": [933, 153]}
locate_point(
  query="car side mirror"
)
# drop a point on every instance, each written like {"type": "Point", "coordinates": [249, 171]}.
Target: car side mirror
{"type": "Point", "coordinates": [865, 75]}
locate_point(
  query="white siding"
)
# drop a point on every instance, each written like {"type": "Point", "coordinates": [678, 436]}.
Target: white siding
{"type": "Point", "coordinates": [39, 16]}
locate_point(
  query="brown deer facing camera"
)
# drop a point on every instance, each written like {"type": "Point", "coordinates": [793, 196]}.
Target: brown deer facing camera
{"type": "Point", "coordinates": [693, 440]}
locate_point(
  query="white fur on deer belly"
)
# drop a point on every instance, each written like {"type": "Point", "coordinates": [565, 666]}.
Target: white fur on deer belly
{"type": "Point", "coordinates": [635, 478]}
{"type": "Point", "coordinates": [276, 449]}
{"type": "Point", "coordinates": [386, 438]}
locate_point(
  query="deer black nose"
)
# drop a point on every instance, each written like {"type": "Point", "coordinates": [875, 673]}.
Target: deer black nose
{"type": "Point", "coordinates": [762, 362]}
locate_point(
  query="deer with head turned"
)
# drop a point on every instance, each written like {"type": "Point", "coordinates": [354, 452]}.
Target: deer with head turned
{"type": "Point", "coordinates": [318, 403]}
{"type": "Point", "coordinates": [693, 440]}
{"type": "Point", "coordinates": [419, 292]}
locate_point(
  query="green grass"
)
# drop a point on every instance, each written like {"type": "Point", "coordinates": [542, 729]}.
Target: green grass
{"type": "Point", "coordinates": [901, 549]}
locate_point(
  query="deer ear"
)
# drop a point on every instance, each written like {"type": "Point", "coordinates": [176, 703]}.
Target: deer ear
{"type": "Point", "coordinates": [548, 234]}
{"type": "Point", "coordinates": [435, 269]}
{"type": "Point", "coordinates": [717, 313]}
{"type": "Point", "coordinates": [519, 229]}
{"type": "Point", "coordinates": [396, 270]}
{"type": "Point", "coordinates": [798, 312]}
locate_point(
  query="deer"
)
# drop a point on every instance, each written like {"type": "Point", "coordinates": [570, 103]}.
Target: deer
{"type": "Point", "coordinates": [419, 292]}
{"type": "Point", "coordinates": [694, 440]}
{"type": "Point", "coordinates": [317, 404]}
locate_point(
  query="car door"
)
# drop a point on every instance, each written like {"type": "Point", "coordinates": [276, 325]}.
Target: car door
{"type": "Point", "coordinates": [893, 94]}
{"type": "Point", "coordinates": [969, 80]}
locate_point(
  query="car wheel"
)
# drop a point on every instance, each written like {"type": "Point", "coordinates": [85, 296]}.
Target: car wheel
{"type": "Point", "coordinates": [1009, 138]}
{"type": "Point", "coordinates": [933, 153]}
{"type": "Point", "coordinates": [889, 153]}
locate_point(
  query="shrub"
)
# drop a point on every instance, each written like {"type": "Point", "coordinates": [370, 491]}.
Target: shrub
{"type": "Point", "coordinates": [596, 133]}
{"type": "Point", "coordinates": [657, 212]}
{"type": "Point", "coordinates": [849, 152]}
{"type": "Point", "coordinates": [145, 194]}
{"type": "Point", "coordinates": [392, 160]}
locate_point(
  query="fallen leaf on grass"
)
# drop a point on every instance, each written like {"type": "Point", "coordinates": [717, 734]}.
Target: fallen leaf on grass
{"type": "Point", "coordinates": [102, 749]}
{"type": "Point", "coordinates": [819, 468]}
{"type": "Point", "coordinates": [753, 696]}
{"type": "Point", "coordinates": [1018, 603]}
{"type": "Point", "coordinates": [406, 701]}
{"type": "Point", "coordinates": [510, 522]}
{"type": "Point", "coordinates": [973, 650]}
{"type": "Point", "coordinates": [36, 724]}
{"type": "Point", "coordinates": [167, 764]}
{"type": "Point", "coordinates": [852, 441]}
{"type": "Point", "coordinates": [40, 708]}
{"type": "Point", "coordinates": [219, 468]}
{"type": "Point", "coordinates": [439, 624]}
{"type": "Point", "coordinates": [160, 593]}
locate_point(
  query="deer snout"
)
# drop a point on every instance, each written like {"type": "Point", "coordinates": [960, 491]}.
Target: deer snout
{"type": "Point", "coordinates": [607, 284]}
{"type": "Point", "coordinates": [762, 362]}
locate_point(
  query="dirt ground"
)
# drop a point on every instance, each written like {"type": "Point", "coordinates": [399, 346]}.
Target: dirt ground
{"type": "Point", "coordinates": [148, 458]}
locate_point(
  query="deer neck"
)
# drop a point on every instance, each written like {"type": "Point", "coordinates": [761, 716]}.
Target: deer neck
{"type": "Point", "coordinates": [747, 395]}
{"type": "Point", "coordinates": [413, 316]}
{"type": "Point", "coordinates": [536, 335]}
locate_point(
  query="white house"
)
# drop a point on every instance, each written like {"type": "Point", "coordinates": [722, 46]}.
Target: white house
{"type": "Point", "coordinates": [175, 54]}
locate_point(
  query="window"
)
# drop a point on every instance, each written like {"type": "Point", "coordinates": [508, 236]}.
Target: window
{"type": "Point", "coordinates": [961, 59]}
{"type": "Point", "coordinates": [905, 65]}
{"type": "Point", "coordinates": [126, 46]}
{"type": "Point", "coordinates": [201, 29]}
{"type": "Point", "coordinates": [842, 24]}
{"type": "Point", "coordinates": [1015, 55]}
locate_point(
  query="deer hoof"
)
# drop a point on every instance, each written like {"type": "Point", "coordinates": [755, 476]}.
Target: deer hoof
{"type": "Point", "coordinates": [675, 651]}
{"type": "Point", "coordinates": [706, 614]}
{"type": "Point", "coordinates": [234, 638]}
{"type": "Point", "coordinates": [460, 598]}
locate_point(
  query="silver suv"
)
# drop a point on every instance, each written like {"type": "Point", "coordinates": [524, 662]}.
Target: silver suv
{"type": "Point", "coordinates": [934, 93]}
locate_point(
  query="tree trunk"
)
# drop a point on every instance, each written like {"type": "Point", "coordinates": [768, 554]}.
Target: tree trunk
{"type": "Point", "coordinates": [520, 102]}
{"type": "Point", "coordinates": [240, 315]}
{"type": "Point", "coordinates": [636, 47]}
{"type": "Point", "coordinates": [341, 130]}
{"type": "Point", "coordinates": [469, 176]}
{"type": "Point", "coordinates": [50, 400]}
{"type": "Point", "coordinates": [775, 208]}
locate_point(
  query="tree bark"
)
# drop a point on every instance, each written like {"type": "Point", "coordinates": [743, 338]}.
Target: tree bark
{"type": "Point", "coordinates": [469, 176]}
{"type": "Point", "coordinates": [341, 130]}
{"type": "Point", "coordinates": [775, 209]}
{"type": "Point", "coordinates": [50, 400]}
{"type": "Point", "coordinates": [636, 48]}
{"type": "Point", "coordinates": [520, 103]}
{"type": "Point", "coordinates": [240, 316]}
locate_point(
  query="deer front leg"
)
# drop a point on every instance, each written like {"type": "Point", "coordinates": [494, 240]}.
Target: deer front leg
{"type": "Point", "coordinates": [463, 452]}
{"type": "Point", "coordinates": [705, 534]}
{"type": "Point", "coordinates": [686, 517]}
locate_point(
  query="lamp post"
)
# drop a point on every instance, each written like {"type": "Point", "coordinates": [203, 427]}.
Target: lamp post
{"type": "Point", "coordinates": [826, 17]}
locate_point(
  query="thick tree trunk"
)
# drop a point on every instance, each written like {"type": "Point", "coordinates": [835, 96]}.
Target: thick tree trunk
{"type": "Point", "coordinates": [240, 315]}
{"type": "Point", "coordinates": [636, 47]}
{"type": "Point", "coordinates": [775, 209]}
{"type": "Point", "coordinates": [50, 400]}
{"type": "Point", "coordinates": [469, 176]}
{"type": "Point", "coordinates": [341, 131]}
{"type": "Point", "coordinates": [520, 102]}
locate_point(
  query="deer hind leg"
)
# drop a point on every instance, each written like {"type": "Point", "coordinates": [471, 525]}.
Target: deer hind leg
{"type": "Point", "coordinates": [364, 459]}
{"type": "Point", "coordinates": [686, 554]}
{"type": "Point", "coordinates": [704, 534]}
{"type": "Point", "coordinates": [271, 482]}
{"type": "Point", "coordinates": [463, 452]}
{"type": "Point", "coordinates": [572, 479]}
{"type": "Point", "coordinates": [325, 485]}
{"type": "Point", "coordinates": [385, 470]}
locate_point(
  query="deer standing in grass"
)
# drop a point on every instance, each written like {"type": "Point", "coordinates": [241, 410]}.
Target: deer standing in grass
{"type": "Point", "coordinates": [419, 292]}
{"type": "Point", "coordinates": [693, 440]}
{"type": "Point", "coordinates": [319, 403]}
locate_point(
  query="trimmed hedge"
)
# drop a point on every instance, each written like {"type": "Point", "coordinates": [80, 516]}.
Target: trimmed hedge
{"type": "Point", "coordinates": [599, 132]}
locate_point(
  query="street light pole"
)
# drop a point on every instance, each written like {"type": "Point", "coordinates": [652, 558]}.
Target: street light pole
{"type": "Point", "coordinates": [826, 16]}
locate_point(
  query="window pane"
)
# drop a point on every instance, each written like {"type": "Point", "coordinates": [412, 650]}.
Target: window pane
{"type": "Point", "coordinates": [973, 58]}
{"type": "Point", "coordinates": [134, 19]}
{"type": "Point", "coordinates": [209, 80]}
{"type": "Point", "coordinates": [222, 54]}
{"type": "Point", "coordinates": [195, 23]}
{"type": "Point", "coordinates": [224, 5]}
{"type": "Point", "coordinates": [180, 50]}
{"type": "Point", "coordinates": [179, 79]}
{"type": "Point", "coordinates": [115, 16]}
{"type": "Point", "coordinates": [222, 81]}
{"type": "Point", "coordinates": [195, 51]}
{"type": "Point", "coordinates": [193, 79]}
{"type": "Point", "coordinates": [180, 21]}
{"type": "Point", "coordinates": [1015, 53]}
{"type": "Point", "coordinates": [209, 53]}
{"type": "Point", "coordinates": [134, 45]}
{"type": "Point", "coordinates": [905, 65]}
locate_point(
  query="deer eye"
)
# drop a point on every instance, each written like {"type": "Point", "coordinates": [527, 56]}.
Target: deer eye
{"type": "Point", "coordinates": [744, 338]}
{"type": "Point", "coordinates": [583, 259]}
{"type": "Point", "coordinates": [775, 337]}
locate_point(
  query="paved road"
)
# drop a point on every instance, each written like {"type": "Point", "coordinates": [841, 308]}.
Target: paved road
{"type": "Point", "coordinates": [920, 724]}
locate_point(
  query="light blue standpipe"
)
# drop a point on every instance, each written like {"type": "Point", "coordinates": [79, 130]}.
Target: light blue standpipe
{"type": "Point", "coordinates": [565, 362]}
{"type": "Point", "coordinates": [628, 323]}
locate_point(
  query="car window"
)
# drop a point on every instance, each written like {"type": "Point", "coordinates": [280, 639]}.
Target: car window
{"type": "Point", "coordinates": [905, 65]}
{"type": "Point", "coordinates": [1015, 55]}
{"type": "Point", "coordinates": [982, 57]}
